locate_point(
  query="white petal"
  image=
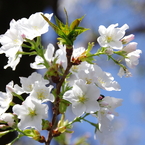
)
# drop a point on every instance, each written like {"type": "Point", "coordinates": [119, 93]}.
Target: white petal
{"type": "Point", "coordinates": [92, 106]}
{"type": "Point", "coordinates": [78, 109]}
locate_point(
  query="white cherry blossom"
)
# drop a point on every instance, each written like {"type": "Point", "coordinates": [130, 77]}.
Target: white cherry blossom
{"type": "Point", "coordinates": [87, 76]}
{"type": "Point", "coordinates": [5, 99]}
{"type": "Point", "coordinates": [14, 37]}
{"type": "Point", "coordinates": [42, 93]}
{"type": "Point", "coordinates": [84, 71]}
{"type": "Point", "coordinates": [105, 80]}
{"type": "Point", "coordinates": [83, 98]}
{"type": "Point", "coordinates": [38, 64]}
{"type": "Point", "coordinates": [11, 43]}
{"type": "Point", "coordinates": [49, 55]}
{"type": "Point", "coordinates": [34, 26]}
{"type": "Point", "coordinates": [8, 118]}
{"type": "Point", "coordinates": [31, 113]}
{"type": "Point", "coordinates": [28, 83]}
{"type": "Point", "coordinates": [13, 61]}
{"type": "Point", "coordinates": [111, 103]}
{"type": "Point", "coordinates": [111, 36]}
{"type": "Point", "coordinates": [83, 66]}
{"type": "Point", "coordinates": [132, 58]}
{"type": "Point", "coordinates": [11, 40]}
{"type": "Point", "coordinates": [92, 73]}
{"type": "Point", "coordinates": [61, 55]}
{"type": "Point", "coordinates": [14, 88]}
{"type": "Point", "coordinates": [77, 53]}
{"type": "Point", "coordinates": [105, 116]}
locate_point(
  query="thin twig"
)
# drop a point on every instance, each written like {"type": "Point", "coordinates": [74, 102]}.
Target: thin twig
{"type": "Point", "coordinates": [58, 88]}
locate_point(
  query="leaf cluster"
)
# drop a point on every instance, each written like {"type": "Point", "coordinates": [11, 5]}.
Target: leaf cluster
{"type": "Point", "coordinates": [67, 33]}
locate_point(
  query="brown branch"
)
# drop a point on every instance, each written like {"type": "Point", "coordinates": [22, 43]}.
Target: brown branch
{"type": "Point", "coordinates": [69, 51]}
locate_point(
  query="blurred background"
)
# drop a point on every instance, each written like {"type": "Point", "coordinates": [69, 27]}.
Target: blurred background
{"type": "Point", "coordinates": [130, 124]}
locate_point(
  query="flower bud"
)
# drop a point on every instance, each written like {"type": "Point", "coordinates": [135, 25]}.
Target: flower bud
{"type": "Point", "coordinates": [130, 47]}
{"type": "Point", "coordinates": [3, 126]}
{"type": "Point", "coordinates": [8, 118]}
{"type": "Point", "coordinates": [109, 51]}
{"type": "Point", "coordinates": [62, 124]}
{"type": "Point", "coordinates": [127, 39]}
{"type": "Point", "coordinates": [35, 134]}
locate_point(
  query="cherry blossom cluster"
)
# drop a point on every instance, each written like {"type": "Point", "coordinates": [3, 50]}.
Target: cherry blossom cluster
{"type": "Point", "coordinates": [71, 79]}
{"type": "Point", "coordinates": [112, 38]}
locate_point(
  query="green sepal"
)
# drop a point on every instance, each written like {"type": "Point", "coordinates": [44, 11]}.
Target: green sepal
{"type": "Point", "coordinates": [63, 125]}
{"type": "Point", "coordinates": [121, 53]}
{"type": "Point", "coordinates": [62, 107]}
{"type": "Point", "coordinates": [87, 55]}
{"type": "Point", "coordinates": [46, 125]}
{"type": "Point", "coordinates": [90, 59]}
{"type": "Point", "coordinates": [32, 133]}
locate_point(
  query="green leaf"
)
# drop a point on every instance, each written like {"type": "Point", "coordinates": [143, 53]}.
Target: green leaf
{"type": "Point", "coordinates": [66, 17]}
{"type": "Point", "coordinates": [75, 23]}
{"type": "Point", "coordinates": [74, 33]}
{"type": "Point", "coordinates": [81, 30]}
{"type": "Point", "coordinates": [67, 33]}
{"type": "Point", "coordinates": [59, 23]}
{"type": "Point", "coordinates": [56, 28]}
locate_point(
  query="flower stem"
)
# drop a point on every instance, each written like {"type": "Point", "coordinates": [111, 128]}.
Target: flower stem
{"type": "Point", "coordinates": [78, 119]}
{"type": "Point", "coordinates": [69, 50]}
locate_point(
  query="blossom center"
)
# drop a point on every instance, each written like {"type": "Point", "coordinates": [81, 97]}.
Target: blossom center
{"type": "Point", "coordinates": [82, 99]}
{"type": "Point", "coordinates": [74, 68]}
{"type": "Point", "coordinates": [40, 95]}
{"type": "Point", "coordinates": [109, 39]}
{"type": "Point", "coordinates": [88, 81]}
{"type": "Point", "coordinates": [101, 81]}
{"type": "Point", "coordinates": [16, 41]}
{"type": "Point", "coordinates": [36, 28]}
{"type": "Point", "coordinates": [30, 87]}
{"type": "Point", "coordinates": [32, 112]}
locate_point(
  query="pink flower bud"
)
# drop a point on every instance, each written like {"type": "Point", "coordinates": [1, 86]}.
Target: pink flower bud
{"type": "Point", "coordinates": [130, 47]}
{"type": "Point", "coordinates": [109, 51]}
{"type": "Point", "coordinates": [23, 36]}
{"type": "Point", "coordinates": [127, 39]}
